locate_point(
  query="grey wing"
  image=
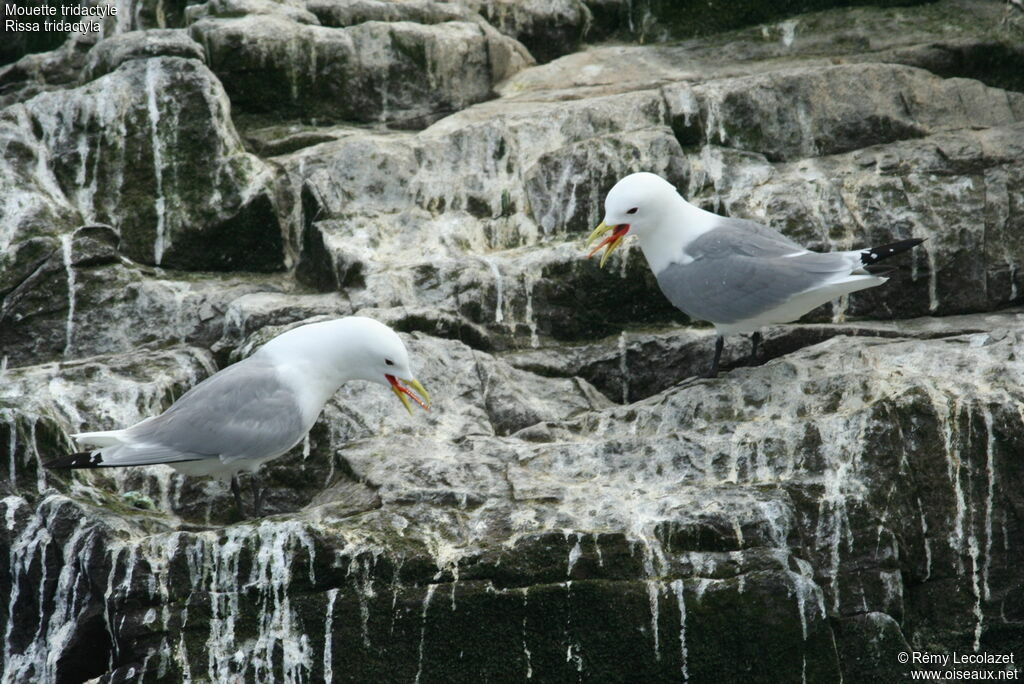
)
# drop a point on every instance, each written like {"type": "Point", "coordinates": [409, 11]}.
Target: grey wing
{"type": "Point", "coordinates": [742, 236]}
{"type": "Point", "coordinates": [244, 411]}
{"type": "Point", "coordinates": [731, 287]}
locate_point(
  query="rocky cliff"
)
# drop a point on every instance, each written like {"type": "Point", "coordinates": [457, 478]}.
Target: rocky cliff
{"type": "Point", "coordinates": [196, 178]}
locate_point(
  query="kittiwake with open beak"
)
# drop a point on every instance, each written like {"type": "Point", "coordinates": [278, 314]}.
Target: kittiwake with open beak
{"type": "Point", "coordinates": [735, 273]}
{"type": "Point", "coordinates": [259, 408]}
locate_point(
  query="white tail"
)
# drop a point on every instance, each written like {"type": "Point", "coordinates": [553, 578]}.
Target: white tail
{"type": "Point", "coordinates": [100, 439]}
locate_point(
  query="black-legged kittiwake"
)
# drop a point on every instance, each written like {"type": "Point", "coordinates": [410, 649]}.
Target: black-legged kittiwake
{"type": "Point", "coordinates": [259, 408]}
{"type": "Point", "coordinates": [737, 274]}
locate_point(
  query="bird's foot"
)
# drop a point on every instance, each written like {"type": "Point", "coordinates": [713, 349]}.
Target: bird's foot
{"type": "Point", "coordinates": [755, 343]}
{"type": "Point", "coordinates": [258, 494]}
{"type": "Point", "coordinates": [236, 490]}
{"type": "Point", "coordinates": [257, 504]}
{"type": "Point", "coordinates": [713, 371]}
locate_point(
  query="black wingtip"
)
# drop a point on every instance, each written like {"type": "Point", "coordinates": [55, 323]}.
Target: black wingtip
{"type": "Point", "coordinates": [82, 459]}
{"type": "Point", "coordinates": [876, 254]}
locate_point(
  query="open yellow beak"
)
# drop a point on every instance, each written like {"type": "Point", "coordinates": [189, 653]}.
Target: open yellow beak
{"type": "Point", "coordinates": [404, 393]}
{"type": "Point", "coordinates": [612, 241]}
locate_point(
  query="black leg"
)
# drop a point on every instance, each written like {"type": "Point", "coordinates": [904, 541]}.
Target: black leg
{"type": "Point", "coordinates": [237, 491]}
{"type": "Point", "coordinates": [719, 345]}
{"type": "Point", "coordinates": [755, 342]}
{"type": "Point", "coordinates": [257, 497]}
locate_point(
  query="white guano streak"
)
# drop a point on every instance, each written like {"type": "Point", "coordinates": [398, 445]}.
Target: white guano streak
{"type": "Point", "coordinates": [154, 121]}
{"type": "Point", "coordinates": [332, 596]}
{"type": "Point", "coordinates": [423, 629]}
{"type": "Point", "coordinates": [69, 268]}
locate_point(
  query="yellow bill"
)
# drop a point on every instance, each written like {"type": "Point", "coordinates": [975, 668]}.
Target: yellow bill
{"type": "Point", "coordinates": [601, 229]}
{"type": "Point", "coordinates": [612, 241]}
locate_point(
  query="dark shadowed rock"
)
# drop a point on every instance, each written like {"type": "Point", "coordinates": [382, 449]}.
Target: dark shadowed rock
{"type": "Point", "coordinates": [42, 71]}
{"type": "Point", "coordinates": [399, 73]}
{"type": "Point", "coordinates": [352, 12]}
{"type": "Point", "coordinates": [547, 29]}
{"type": "Point", "coordinates": [811, 112]}
{"type": "Point", "coordinates": [109, 54]}
{"type": "Point", "coordinates": [204, 205]}
{"type": "Point", "coordinates": [65, 307]}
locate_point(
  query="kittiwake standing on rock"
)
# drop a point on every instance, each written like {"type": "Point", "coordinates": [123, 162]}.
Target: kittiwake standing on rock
{"type": "Point", "coordinates": [260, 407]}
{"type": "Point", "coordinates": [737, 274]}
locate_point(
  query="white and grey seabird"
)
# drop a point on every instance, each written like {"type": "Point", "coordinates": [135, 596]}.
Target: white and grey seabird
{"type": "Point", "coordinates": [259, 408]}
{"type": "Point", "coordinates": [735, 273]}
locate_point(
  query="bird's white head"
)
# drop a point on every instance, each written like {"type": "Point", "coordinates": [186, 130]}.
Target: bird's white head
{"type": "Point", "coordinates": [354, 348]}
{"type": "Point", "coordinates": [638, 205]}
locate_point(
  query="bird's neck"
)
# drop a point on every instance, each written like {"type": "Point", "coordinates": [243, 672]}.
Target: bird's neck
{"type": "Point", "coordinates": [315, 363]}
{"type": "Point", "coordinates": [313, 384]}
{"type": "Point", "coordinates": [665, 243]}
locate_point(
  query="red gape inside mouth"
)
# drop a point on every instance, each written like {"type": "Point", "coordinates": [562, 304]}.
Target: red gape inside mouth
{"type": "Point", "coordinates": [616, 235]}
{"type": "Point", "coordinates": [399, 387]}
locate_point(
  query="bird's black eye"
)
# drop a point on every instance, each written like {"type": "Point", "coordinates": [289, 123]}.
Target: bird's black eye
{"type": "Point", "coordinates": [633, 210]}
{"type": "Point", "coordinates": [389, 362]}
